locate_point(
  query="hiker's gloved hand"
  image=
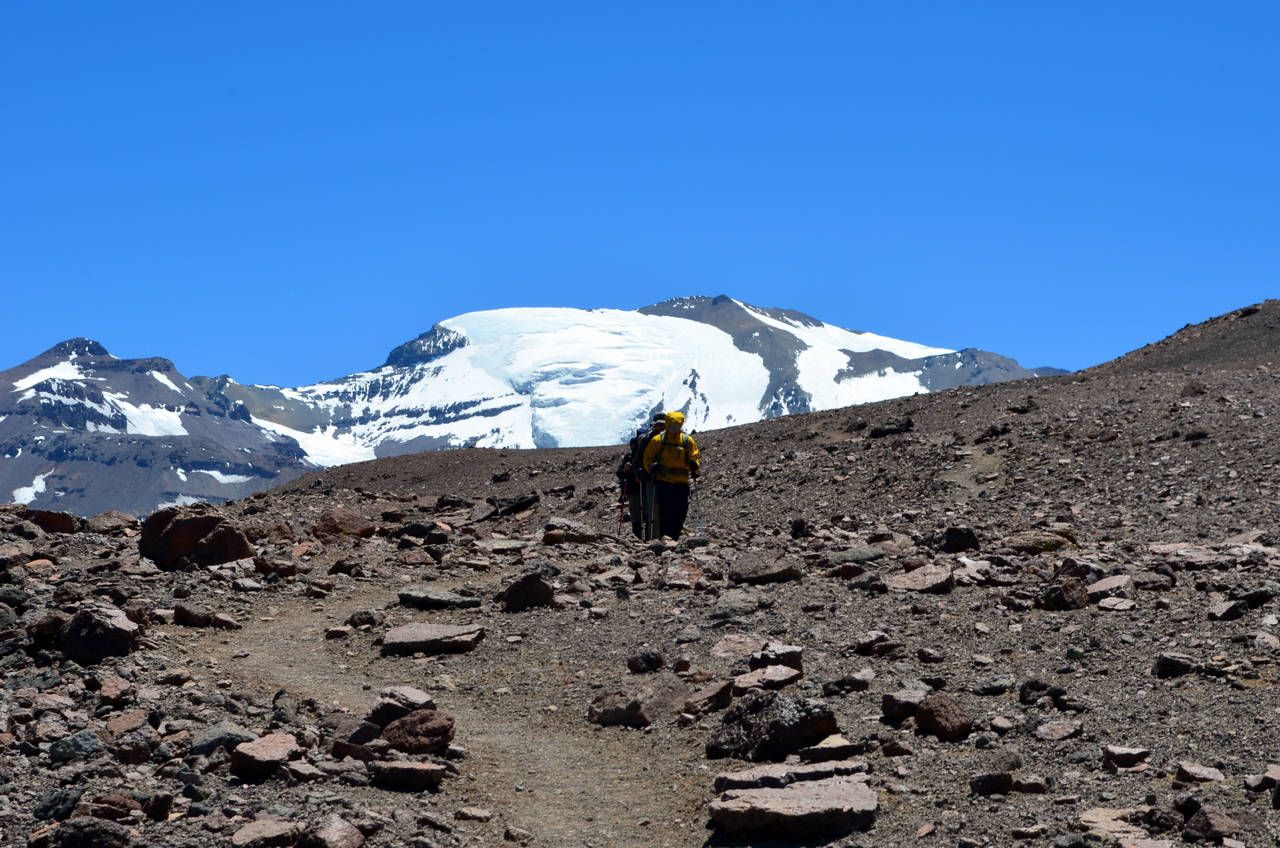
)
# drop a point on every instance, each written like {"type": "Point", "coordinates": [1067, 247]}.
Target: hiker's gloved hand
{"type": "Point", "coordinates": [693, 471]}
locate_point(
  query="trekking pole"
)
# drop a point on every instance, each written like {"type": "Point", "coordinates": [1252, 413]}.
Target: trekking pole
{"type": "Point", "coordinates": [697, 504]}
{"type": "Point", "coordinates": [622, 507]}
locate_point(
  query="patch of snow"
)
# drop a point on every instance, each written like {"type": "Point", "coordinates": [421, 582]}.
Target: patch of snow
{"type": "Point", "coordinates": [61, 371]}
{"type": "Point", "coordinates": [181, 500]}
{"type": "Point", "coordinates": [182, 474]}
{"type": "Point", "coordinates": [13, 455]}
{"type": "Point", "coordinates": [323, 448]}
{"type": "Point", "coordinates": [163, 380]}
{"type": "Point", "coordinates": [147, 420]}
{"type": "Point", "coordinates": [224, 478]}
{"type": "Point", "coordinates": [95, 427]}
{"type": "Point", "coordinates": [26, 494]}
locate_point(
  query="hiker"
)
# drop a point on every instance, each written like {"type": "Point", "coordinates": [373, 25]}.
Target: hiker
{"type": "Point", "coordinates": [629, 485]}
{"type": "Point", "coordinates": [671, 459]}
{"type": "Point", "coordinates": [643, 508]}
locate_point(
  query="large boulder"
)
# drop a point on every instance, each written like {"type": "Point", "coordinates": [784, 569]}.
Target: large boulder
{"type": "Point", "coordinates": [190, 536]}
{"type": "Point", "coordinates": [95, 633]}
{"type": "Point", "coordinates": [763, 725]}
{"type": "Point", "coordinates": [343, 521]}
{"type": "Point", "coordinates": [661, 696]}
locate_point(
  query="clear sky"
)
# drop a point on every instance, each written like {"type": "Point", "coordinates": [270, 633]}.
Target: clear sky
{"type": "Point", "coordinates": [284, 191]}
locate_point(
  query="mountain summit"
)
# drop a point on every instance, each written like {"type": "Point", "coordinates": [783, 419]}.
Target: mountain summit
{"type": "Point", "coordinates": [84, 431]}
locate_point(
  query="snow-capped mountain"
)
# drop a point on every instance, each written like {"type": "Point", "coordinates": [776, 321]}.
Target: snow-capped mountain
{"type": "Point", "coordinates": [83, 431]}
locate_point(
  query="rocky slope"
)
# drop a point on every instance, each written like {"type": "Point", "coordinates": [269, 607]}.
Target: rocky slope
{"type": "Point", "coordinates": [1033, 613]}
{"type": "Point", "coordinates": [83, 431]}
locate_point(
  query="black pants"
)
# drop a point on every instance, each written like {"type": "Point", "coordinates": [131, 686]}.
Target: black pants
{"type": "Point", "coordinates": [673, 506]}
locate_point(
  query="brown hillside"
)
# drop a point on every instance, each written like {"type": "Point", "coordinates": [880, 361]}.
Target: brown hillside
{"type": "Point", "coordinates": [1081, 573]}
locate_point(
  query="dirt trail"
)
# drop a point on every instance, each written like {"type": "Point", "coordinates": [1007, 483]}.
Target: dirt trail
{"type": "Point", "coordinates": [544, 770]}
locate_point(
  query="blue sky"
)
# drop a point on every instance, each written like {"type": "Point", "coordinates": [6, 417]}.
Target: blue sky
{"type": "Point", "coordinates": [285, 191]}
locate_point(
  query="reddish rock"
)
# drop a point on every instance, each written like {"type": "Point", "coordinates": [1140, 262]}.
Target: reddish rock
{"type": "Point", "coordinates": [1058, 731]}
{"type": "Point", "coordinates": [116, 691]}
{"type": "Point", "coordinates": [420, 732]}
{"type": "Point", "coordinates": [264, 755]}
{"type": "Point", "coordinates": [1196, 773]}
{"type": "Point", "coordinates": [933, 579]}
{"type": "Point", "coordinates": [110, 522]}
{"type": "Point", "coordinates": [54, 522]}
{"type": "Point", "coordinates": [1117, 586]}
{"type": "Point", "coordinates": [1117, 758]}
{"type": "Point", "coordinates": [431, 638]}
{"type": "Point", "coordinates": [1213, 824]}
{"type": "Point", "coordinates": [713, 696]}
{"type": "Point", "coordinates": [266, 833]}
{"type": "Point", "coordinates": [332, 831]}
{"type": "Point", "coordinates": [806, 809]}
{"type": "Point", "coordinates": [343, 521]}
{"type": "Point", "coordinates": [771, 677]}
{"type": "Point", "coordinates": [180, 537]}
{"type": "Point", "coordinates": [190, 615]}
{"type": "Point", "coordinates": [942, 716]}
{"type": "Point", "coordinates": [778, 775]}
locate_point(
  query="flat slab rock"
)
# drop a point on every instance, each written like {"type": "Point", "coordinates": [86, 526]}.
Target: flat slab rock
{"type": "Point", "coordinates": [421, 637]}
{"type": "Point", "coordinates": [778, 775]}
{"type": "Point", "coordinates": [431, 597]}
{"type": "Point", "coordinates": [769, 677]}
{"type": "Point", "coordinates": [1127, 835]}
{"type": "Point", "coordinates": [265, 833]}
{"type": "Point", "coordinates": [805, 809]}
{"type": "Point", "coordinates": [935, 579]}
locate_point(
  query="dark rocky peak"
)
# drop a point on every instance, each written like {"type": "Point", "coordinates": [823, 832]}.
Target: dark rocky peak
{"type": "Point", "coordinates": [432, 344]}
{"type": "Point", "coordinates": [76, 347]}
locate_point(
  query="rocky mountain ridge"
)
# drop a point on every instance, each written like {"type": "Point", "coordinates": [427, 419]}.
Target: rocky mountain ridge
{"type": "Point", "coordinates": [83, 431]}
{"type": "Point", "coordinates": [1021, 614]}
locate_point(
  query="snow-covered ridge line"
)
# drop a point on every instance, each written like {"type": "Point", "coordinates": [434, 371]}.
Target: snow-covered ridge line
{"type": "Point", "coordinates": [528, 377]}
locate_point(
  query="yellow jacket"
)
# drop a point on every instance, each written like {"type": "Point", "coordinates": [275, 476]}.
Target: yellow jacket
{"type": "Point", "coordinates": [672, 458]}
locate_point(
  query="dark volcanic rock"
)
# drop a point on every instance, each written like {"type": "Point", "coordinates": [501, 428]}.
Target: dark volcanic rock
{"type": "Point", "coordinates": [763, 725]}
{"type": "Point", "coordinates": [96, 633]}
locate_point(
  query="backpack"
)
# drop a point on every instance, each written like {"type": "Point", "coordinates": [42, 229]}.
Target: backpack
{"type": "Point", "coordinates": [637, 455]}
{"type": "Point", "coordinates": [684, 440]}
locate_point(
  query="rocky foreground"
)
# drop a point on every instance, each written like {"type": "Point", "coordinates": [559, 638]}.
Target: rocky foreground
{"type": "Point", "coordinates": [1038, 613]}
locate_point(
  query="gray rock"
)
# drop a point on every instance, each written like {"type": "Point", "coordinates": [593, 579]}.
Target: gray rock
{"type": "Point", "coordinates": [96, 633]}
{"type": "Point", "coordinates": [757, 570]}
{"type": "Point", "coordinates": [407, 776]}
{"type": "Point", "coordinates": [224, 734]}
{"type": "Point", "coordinates": [83, 744]}
{"type": "Point", "coordinates": [900, 705]}
{"type": "Point", "coordinates": [422, 596]}
{"type": "Point", "coordinates": [661, 696]}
